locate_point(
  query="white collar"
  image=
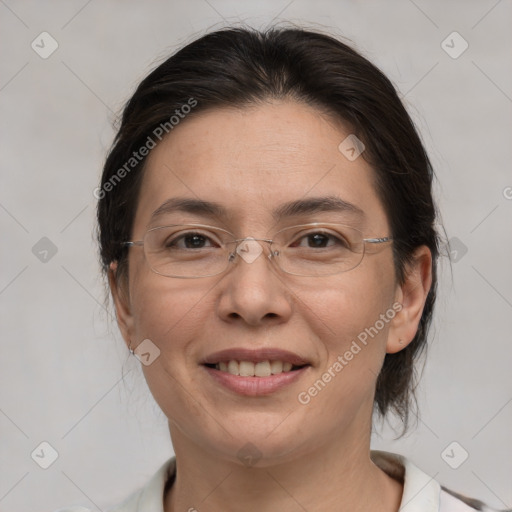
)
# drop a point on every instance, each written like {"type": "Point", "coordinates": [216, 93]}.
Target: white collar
{"type": "Point", "coordinates": [421, 492]}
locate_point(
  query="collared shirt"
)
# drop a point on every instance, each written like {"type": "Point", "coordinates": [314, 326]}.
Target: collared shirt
{"type": "Point", "coordinates": [421, 493]}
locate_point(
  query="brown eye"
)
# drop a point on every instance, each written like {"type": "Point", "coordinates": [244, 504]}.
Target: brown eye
{"type": "Point", "coordinates": [189, 241]}
{"type": "Point", "coordinates": [320, 240]}
{"type": "Point", "coordinates": [194, 241]}
{"type": "Point", "coordinates": [317, 240]}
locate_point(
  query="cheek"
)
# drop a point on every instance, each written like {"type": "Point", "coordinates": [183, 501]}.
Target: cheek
{"type": "Point", "coordinates": [165, 309]}
{"type": "Point", "coordinates": [347, 305]}
{"type": "Point", "coordinates": [171, 315]}
{"type": "Point", "coordinates": [351, 316]}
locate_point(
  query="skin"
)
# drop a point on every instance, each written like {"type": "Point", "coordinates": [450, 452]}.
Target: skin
{"type": "Point", "coordinates": [314, 457]}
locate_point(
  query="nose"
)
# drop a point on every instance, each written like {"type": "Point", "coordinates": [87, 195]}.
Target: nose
{"type": "Point", "coordinates": [253, 292]}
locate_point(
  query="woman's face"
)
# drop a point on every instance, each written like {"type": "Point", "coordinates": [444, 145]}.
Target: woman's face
{"type": "Point", "coordinates": [251, 162]}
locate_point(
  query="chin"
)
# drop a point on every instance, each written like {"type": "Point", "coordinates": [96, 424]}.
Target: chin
{"type": "Point", "coordinates": [257, 441]}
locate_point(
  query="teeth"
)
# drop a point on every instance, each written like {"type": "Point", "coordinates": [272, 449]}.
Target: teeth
{"type": "Point", "coordinates": [276, 367]}
{"type": "Point", "coordinates": [246, 368]}
{"type": "Point", "coordinates": [262, 369]}
{"type": "Point", "coordinates": [233, 368]}
{"type": "Point", "coordinates": [249, 369]}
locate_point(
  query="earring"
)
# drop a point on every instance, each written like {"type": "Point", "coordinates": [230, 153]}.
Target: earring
{"type": "Point", "coordinates": [131, 349]}
{"type": "Point", "coordinates": [400, 341]}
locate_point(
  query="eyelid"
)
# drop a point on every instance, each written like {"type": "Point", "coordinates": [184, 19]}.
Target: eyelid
{"type": "Point", "coordinates": [189, 227]}
{"type": "Point", "coordinates": [326, 229]}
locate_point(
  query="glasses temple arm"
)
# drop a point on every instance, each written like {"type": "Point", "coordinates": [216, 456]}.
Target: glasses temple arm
{"type": "Point", "coordinates": [378, 240]}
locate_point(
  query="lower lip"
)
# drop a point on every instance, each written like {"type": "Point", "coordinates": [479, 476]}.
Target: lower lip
{"type": "Point", "coordinates": [255, 386]}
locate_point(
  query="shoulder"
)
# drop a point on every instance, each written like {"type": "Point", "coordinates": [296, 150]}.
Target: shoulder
{"type": "Point", "coordinates": [74, 508]}
{"type": "Point", "coordinates": [451, 501]}
{"type": "Point", "coordinates": [131, 504]}
{"type": "Point", "coordinates": [147, 499]}
{"type": "Point", "coordinates": [421, 492]}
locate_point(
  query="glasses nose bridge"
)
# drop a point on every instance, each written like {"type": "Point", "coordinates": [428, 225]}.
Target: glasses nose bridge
{"type": "Point", "coordinates": [238, 241]}
{"type": "Point", "coordinates": [250, 252]}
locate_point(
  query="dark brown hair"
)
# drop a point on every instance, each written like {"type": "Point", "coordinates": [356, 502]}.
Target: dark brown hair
{"type": "Point", "coordinates": [239, 66]}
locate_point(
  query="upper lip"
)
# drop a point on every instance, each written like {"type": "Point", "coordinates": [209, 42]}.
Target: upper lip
{"type": "Point", "coordinates": [255, 356]}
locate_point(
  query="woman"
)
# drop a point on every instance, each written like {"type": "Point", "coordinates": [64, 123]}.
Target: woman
{"type": "Point", "coordinates": [267, 226]}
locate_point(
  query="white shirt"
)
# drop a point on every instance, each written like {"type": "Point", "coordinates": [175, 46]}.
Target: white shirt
{"type": "Point", "coordinates": [421, 492]}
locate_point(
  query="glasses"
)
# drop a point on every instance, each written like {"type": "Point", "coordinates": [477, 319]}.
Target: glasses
{"type": "Point", "coordinates": [309, 250]}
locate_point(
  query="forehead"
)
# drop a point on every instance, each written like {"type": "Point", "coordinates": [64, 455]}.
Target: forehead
{"type": "Point", "coordinates": [252, 160]}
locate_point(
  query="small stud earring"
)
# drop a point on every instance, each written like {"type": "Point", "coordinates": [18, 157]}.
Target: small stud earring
{"type": "Point", "coordinates": [400, 341]}
{"type": "Point", "coordinates": [131, 349]}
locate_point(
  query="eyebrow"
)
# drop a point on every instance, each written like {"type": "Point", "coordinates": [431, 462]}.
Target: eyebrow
{"type": "Point", "coordinates": [306, 206]}
{"type": "Point", "coordinates": [313, 205]}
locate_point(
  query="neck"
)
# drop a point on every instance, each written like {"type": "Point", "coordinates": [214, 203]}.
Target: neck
{"type": "Point", "coordinates": [337, 476]}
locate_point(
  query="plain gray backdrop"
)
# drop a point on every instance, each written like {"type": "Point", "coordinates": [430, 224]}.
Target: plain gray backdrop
{"type": "Point", "coordinates": [66, 377]}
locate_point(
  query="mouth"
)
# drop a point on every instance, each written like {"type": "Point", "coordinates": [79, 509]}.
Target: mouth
{"type": "Point", "coordinates": [255, 372]}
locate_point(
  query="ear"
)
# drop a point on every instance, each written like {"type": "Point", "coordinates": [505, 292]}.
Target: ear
{"type": "Point", "coordinates": [411, 294]}
{"type": "Point", "coordinates": [121, 297]}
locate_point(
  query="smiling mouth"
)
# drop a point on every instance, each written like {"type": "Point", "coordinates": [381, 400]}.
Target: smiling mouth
{"type": "Point", "coordinates": [260, 369]}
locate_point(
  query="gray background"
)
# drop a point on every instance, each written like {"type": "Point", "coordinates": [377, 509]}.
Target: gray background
{"type": "Point", "coordinates": [66, 377]}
